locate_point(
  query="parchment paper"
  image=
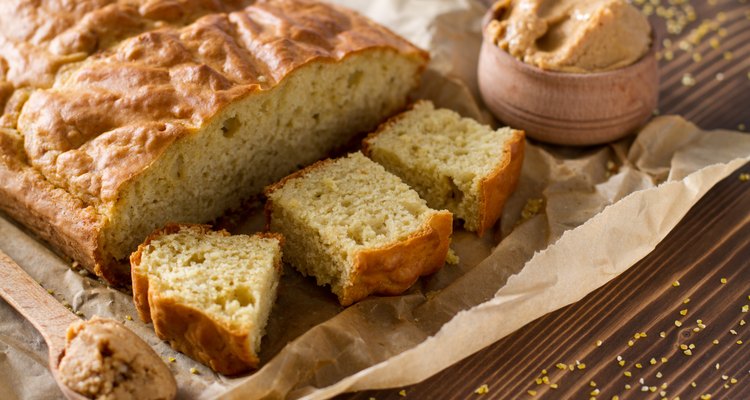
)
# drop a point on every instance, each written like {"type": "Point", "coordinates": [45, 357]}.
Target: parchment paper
{"type": "Point", "coordinates": [578, 219]}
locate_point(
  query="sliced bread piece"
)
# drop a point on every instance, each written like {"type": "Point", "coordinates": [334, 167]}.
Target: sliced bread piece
{"type": "Point", "coordinates": [208, 293]}
{"type": "Point", "coordinates": [454, 163]}
{"type": "Point", "coordinates": [356, 227]}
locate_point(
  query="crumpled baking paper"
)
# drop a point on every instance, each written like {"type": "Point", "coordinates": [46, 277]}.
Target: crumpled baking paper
{"type": "Point", "coordinates": [579, 218]}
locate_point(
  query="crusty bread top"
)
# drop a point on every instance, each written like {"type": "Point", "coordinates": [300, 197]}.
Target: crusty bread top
{"type": "Point", "coordinates": [118, 81]}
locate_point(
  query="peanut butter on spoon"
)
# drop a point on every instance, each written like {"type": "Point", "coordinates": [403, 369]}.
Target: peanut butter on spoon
{"type": "Point", "coordinates": [106, 361]}
{"type": "Point", "coordinates": [580, 36]}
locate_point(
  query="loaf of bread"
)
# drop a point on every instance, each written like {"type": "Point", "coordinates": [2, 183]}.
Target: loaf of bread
{"type": "Point", "coordinates": [208, 293]}
{"type": "Point", "coordinates": [452, 162]}
{"type": "Point", "coordinates": [122, 115]}
{"type": "Point", "coordinates": [357, 228]}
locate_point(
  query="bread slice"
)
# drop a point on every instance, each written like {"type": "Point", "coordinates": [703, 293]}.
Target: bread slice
{"type": "Point", "coordinates": [208, 293]}
{"type": "Point", "coordinates": [356, 227]}
{"type": "Point", "coordinates": [452, 162]}
{"type": "Point", "coordinates": [131, 116]}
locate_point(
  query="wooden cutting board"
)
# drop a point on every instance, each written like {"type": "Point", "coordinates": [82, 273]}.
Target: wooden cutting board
{"type": "Point", "coordinates": [708, 253]}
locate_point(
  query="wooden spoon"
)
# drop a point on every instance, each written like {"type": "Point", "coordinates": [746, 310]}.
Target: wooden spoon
{"type": "Point", "coordinates": [52, 320]}
{"type": "Point", "coordinates": [48, 316]}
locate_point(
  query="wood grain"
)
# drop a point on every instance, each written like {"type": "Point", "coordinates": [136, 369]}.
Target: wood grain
{"type": "Point", "coordinates": [48, 316]}
{"type": "Point", "coordinates": [710, 243]}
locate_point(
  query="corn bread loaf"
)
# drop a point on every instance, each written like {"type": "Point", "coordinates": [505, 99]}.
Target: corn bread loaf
{"type": "Point", "coordinates": [122, 115]}
{"type": "Point", "coordinates": [452, 162]}
{"type": "Point", "coordinates": [208, 293]}
{"type": "Point", "coordinates": [356, 227]}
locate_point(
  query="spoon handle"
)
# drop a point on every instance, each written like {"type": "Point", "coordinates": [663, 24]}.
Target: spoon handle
{"type": "Point", "coordinates": [28, 297]}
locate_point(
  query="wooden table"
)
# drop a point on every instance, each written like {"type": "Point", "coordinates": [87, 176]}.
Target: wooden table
{"type": "Point", "coordinates": [709, 247]}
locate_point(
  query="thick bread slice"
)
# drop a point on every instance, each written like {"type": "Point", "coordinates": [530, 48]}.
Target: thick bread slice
{"type": "Point", "coordinates": [178, 110]}
{"type": "Point", "coordinates": [208, 293]}
{"type": "Point", "coordinates": [452, 162]}
{"type": "Point", "coordinates": [356, 227]}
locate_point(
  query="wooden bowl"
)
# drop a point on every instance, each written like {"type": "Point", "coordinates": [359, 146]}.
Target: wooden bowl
{"type": "Point", "coordinates": [568, 108]}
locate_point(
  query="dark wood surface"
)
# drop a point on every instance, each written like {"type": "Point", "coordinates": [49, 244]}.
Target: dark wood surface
{"type": "Point", "coordinates": [711, 243]}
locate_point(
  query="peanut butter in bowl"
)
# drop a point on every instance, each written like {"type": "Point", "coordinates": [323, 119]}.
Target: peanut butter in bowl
{"type": "Point", "coordinates": [579, 36]}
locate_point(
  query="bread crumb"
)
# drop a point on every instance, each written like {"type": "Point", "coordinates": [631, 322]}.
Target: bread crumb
{"type": "Point", "coordinates": [484, 389]}
{"type": "Point", "coordinates": [452, 257]}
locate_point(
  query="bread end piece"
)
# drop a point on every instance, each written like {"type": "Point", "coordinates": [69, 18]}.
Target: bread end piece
{"type": "Point", "coordinates": [452, 162]}
{"type": "Point", "coordinates": [199, 330]}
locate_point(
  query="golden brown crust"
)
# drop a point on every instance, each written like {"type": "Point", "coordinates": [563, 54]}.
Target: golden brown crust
{"type": "Point", "coordinates": [500, 184]}
{"type": "Point", "coordinates": [189, 330]}
{"type": "Point", "coordinates": [393, 269]}
{"type": "Point", "coordinates": [159, 86]}
{"type": "Point", "coordinates": [194, 333]}
{"type": "Point", "coordinates": [52, 213]}
{"type": "Point", "coordinates": [132, 77]}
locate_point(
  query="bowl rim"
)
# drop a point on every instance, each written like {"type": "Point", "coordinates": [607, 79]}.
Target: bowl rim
{"type": "Point", "coordinates": [526, 67]}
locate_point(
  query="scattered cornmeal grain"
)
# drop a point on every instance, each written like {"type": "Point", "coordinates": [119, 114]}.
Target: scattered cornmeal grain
{"type": "Point", "coordinates": [531, 392]}
{"type": "Point", "coordinates": [715, 341]}
{"type": "Point", "coordinates": [693, 384]}
{"type": "Point", "coordinates": [484, 389]}
{"type": "Point", "coordinates": [638, 365]}
{"type": "Point", "coordinates": [627, 373]}
{"type": "Point", "coordinates": [172, 359]}
{"type": "Point", "coordinates": [677, 323]}
{"type": "Point", "coordinates": [598, 343]}
{"type": "Point", "coordinates": [675, 283]}
{"type": "Point", "coordinates": [561, 366]}
{"type": "Point", "coordinates": [745, 178]}
{"type": "Point", "coordinates": [592, 384]}
{"type": "Point", "coordinates": [732, 331]}
{"type": "Point", "coordinates": [664, 360]}
{"type": "Point", "coordinates": [683, 312]}
{"type": "Point", "coordinates": [663, 334]}
{"type": "Point", "coordinates": [402, 393]}
{"type": "Point", "coordinates": [581, 366]}
{"type": "Point", "coordinates": [733, 381]}
{"type": "Point", "coordinates": [717, 366]}
{"type": "Point", "coordinates": [739, 342]}
{"type": "Point", "coordinates": [622, 363]}
{"type": "Point", "coordinates": [128, 317]}
{"type": "Point", "coordinates": [631, 343]}
{"type": "Point", "coordinates": [742, 322]}
{"type": "Point", "coordinates": [615, 397]}
{"type": "Point", "coordinates": [688, 352]}
{"type": "Point", "coordinates": [659, 375]}
{"type": "Point", "coordinates": [741, 127]}
{"type": "Point", "coordinates": [688, 80]}
{"type": "Point", "coordinates": [745, 308]}
{"type": "Point", "coordinates": [723, 280]}
{"type": "Point", "coordinates": [553, 386]}
{"type": "Point", "coordinates": [627, 386]}
{"type": "Point", "coordinates": [652, 361]}
{"type": "Point", "coordinates": [706, 396]}
{"type": "Point", "coordinates": [686, 301]}
{"type": "Point", "coordinates": [194, 371]}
